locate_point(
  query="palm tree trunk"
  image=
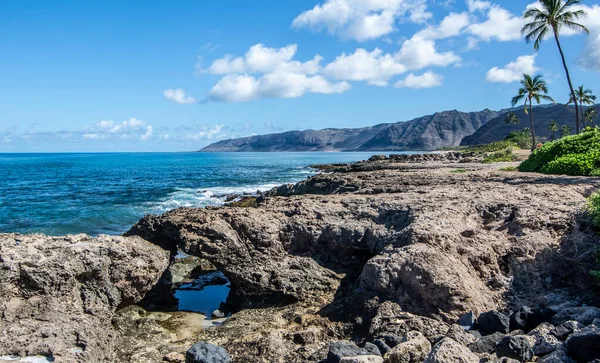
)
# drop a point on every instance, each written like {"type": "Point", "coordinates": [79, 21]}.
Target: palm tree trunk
{"type": "Point", "coordinates": [531, 124]}
{"type": "Point", "coordinates": [562, 56]}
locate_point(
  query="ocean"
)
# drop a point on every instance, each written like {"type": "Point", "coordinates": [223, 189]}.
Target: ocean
{"type": "Point", "coordinates": [106, 193]}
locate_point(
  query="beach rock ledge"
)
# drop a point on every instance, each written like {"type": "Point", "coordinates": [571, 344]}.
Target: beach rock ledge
{"type": "Point", "coordinates": [59, 294]}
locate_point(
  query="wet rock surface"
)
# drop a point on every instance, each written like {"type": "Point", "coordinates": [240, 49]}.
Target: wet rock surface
{"type": "Point", "coordinates": [59, 294]}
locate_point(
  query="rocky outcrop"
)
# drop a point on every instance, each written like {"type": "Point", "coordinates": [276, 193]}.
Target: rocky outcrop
{"type": "Point", "coordinates": [59, 294]}
{"type": "Point", "coordinates": [381, 252]}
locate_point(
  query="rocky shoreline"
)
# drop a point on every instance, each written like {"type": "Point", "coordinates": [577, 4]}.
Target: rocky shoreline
{"type": "Point", "coordinates": [431, 257]}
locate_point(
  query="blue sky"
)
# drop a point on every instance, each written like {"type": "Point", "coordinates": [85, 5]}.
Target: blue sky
{"type": "Point", "coordinates": [177, 75]}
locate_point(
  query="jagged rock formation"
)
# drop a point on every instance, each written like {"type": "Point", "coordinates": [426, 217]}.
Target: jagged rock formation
{"type": "Point", "coordinates": [384, 251]}
{"type": "Point", "coordinates": [388, 253]}
{"type": "Point", "coordinates": [497, 129]}
{"type": "Point", "coordinates": [442, 129]}
{"type": "Point", "coordinates": [59, 294]}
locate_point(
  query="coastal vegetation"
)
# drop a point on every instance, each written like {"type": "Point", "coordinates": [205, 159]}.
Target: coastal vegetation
{"type": "Point", "coordinates": [571, 155]}
{"type": "Point", "coordinates": [583, 96]}
{"type": "Point", "coordinates": [531, 89]}
{"type": "Point", "coordinates": [521, 138]}
{"type": "Point", "coordinates": [593, 209]}
{"type": "Point", "coordinates": [505, 155]}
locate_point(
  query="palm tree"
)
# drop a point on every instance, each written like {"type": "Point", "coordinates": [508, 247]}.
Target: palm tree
{"type": "Point", "coordinates": [583, 96]}
{"type": "Point", "coordinates": [532, 89]}
{"type": "Point", "coordinates": [553, 127]}
{"type": "Point", "coordinates": [512, 119]}
{"type": "Point", "coordinates": [565, 130]}
{"type": "Point", "coordinates": [589, 115]}
{"type": "Point", "coordinates": [553, 15]}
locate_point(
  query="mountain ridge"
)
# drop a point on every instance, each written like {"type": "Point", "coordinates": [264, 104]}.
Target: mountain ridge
{"type": "Point", "coordinates": [441, 129]}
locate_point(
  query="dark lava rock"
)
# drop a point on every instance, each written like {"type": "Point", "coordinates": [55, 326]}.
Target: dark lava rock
{"type": "Point", "coordinates": [475, 333]}
{"type": "Point", "coordinates": [584, 345]}
{"type": "Point", "coordinates": [467, 321]}
{"type": "Point", "coordinates": [487, 344]}
{"type": "Point", "coordinates": [493, 322]}
{"type": "Point", "coordinates": [392, 340]}
{"type": "Point", "coordinates": [377, 158]}
{"type": "Point", "coordinates": [527, 318]}
{"type": "Point", "coordinates": [203, 352]}
{"type": "Point", "coordinates": [339, 350]}
{"type": "Point", "coordinates": [515, 347]}
{"type": "Point", "coordinates": [383, 347]}
{"type": "Point", "coordinates": [372, 349]}
{"type": "Point", "coordinates": [563, 331]}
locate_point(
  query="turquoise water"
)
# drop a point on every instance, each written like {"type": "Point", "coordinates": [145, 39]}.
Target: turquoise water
{"type": "Point", "coordinates": [58, 194]}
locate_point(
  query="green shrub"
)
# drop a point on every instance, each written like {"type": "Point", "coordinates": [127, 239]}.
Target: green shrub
{"type": "Point", "coordinates": [573, 164]}
{"type": "Point", "coordinates": [573, 155]}
{"type": "Point", "coordinates": [500, 156]}
{"type": "Point", "coordinates": [521, 138]}
{"type": "Point", "coordinates": [490, 148]}
{"type": "Point", "coordinates": [593, 206]}
{"type": "Point", "coordinates": [594, 209]}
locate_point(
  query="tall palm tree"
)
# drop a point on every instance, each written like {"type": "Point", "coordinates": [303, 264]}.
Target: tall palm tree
{"type": "Point", "coordinates": [583, 96]}
{"type": "Point", "coordinates": [531, 89]}
{"type": "Point", "coordinates": [589, 115]}
{"type": "Point", "coordinates": [553, 15]}
{"type": "Point", "coordinates": [565, 130]}
{"type": "Point", "coordinates": [512, 119]}
{"type": "Point", "coordinates": [553, 127]}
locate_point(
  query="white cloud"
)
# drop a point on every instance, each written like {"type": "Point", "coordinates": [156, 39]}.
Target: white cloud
{"type": "Point", "coordinates": [452, 25]}
{"type": "Point", "coordinates": [417, 53]}
{"type": "Point", "coordinates": [589, 58]}
{"type": "Point", "coordinates": [207, 133]}
{"type": "Point", "coordinates": [419, 13]}
{"type": "Point", "coordinates": [262, 59]}
{"type": "Point", "coordinates": [361, 19]}
{"type": "Point", "coordinates": [426, 80]}
{"type": "Point", "coordinates": [376, 67]}
{"type": "Point", "coordinates": [478, 5]}
{"type": "Point", "coordinates": [244, 87]}
{"type": "Point", "coordinates": [178, 96]}
{"type": "Point", "coordinates": [500, 25]}
{"type": "Point", "coordinates": [373, 67]}
{"type": "Point", "coordinates": [147, 134]}
{"type": "Point", "coordinates": [513, 71]}
{"type": "Point", "coordinates": [132, 128]}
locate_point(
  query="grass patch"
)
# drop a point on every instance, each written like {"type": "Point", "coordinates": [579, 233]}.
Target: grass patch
{"type": "Point", "coordinates": [459, 171]}
{"type": "Point", "coordinates": [500, 156]}
{"type": "Point", "coordinates": [509, 168]}
{"type": "Point", "coordinates": [491, 148]}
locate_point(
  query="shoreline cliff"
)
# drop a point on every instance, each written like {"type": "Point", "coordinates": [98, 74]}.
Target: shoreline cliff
{"type": "Point", "coordinates": [434, 258]}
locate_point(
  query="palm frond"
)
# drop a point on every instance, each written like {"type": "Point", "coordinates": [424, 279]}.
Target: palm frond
{"type": "Point", "coordinates": [576, 26]}
{"type": "Point", "coordinates": [548, 98]}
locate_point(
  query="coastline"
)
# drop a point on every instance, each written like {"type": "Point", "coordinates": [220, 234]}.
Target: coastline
{"type": "Point", "coordinates": [369, 251]}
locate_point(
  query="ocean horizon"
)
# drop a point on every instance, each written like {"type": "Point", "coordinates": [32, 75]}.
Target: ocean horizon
{"type": "Point", "coordinates": [107, 192]}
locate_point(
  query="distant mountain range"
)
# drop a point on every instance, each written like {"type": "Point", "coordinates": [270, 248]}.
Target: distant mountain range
{"type": "Point", "coordinates": [497, 129]}
{"type": "Point", "coordinates": [442, 129]}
